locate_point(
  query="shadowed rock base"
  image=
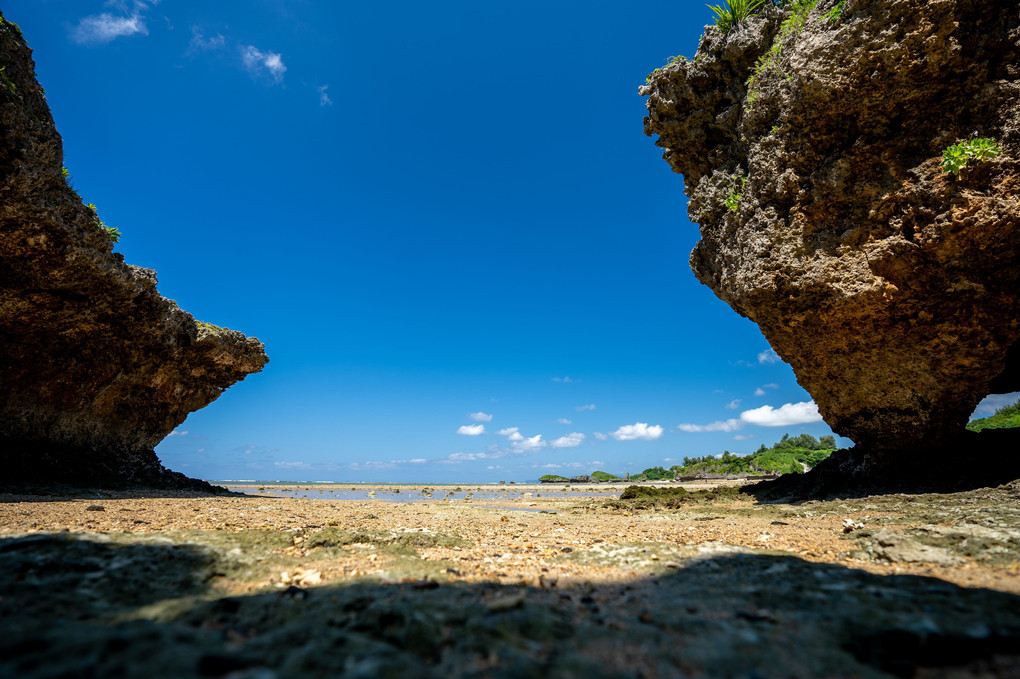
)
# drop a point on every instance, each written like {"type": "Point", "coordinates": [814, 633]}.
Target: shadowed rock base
{"type": "Point", "coordinates": [972, 460]}
{"type": "Point", "coordinates": [34, 466]}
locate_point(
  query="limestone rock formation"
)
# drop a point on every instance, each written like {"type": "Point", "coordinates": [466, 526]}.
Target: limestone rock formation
{"type": "Point", "coordinates": [891, 286]}
{"type": "Point", "coordinates": [95, 366]}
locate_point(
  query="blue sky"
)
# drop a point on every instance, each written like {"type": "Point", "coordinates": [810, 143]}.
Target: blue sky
{"type": "Point", "coordinates": [466, 260]}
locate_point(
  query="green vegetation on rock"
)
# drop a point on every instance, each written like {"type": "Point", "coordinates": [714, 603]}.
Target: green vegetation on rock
{"type": "Point", "coordinates": [603, 476]}
{"type": "Point", "coordinates": [956, 157]}
{"type": "Point", "coordinates": [672, 497]}
{"type": "Point", "coordinates": [1006, 417]}
{"type": "Point", "coordinates": [210, 328]}
{"type": "Point", "coordinates": [770, 60]}
{"type": "Point", "coordinates": [733, 12]}
{"type": "Point", "coordinates": [553, 478]}
{"type": "Point", "coordinates": [112, 231]}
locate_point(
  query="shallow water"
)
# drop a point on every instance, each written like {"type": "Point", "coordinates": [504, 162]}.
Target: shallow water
{"type": "Point", "coordinates": [431, 494]}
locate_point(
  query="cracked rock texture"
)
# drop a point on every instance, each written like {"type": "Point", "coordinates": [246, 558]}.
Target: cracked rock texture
{"type": "Point", "coordinates": [96, 367]}
{"type": "Point", "coordinates": [890, 286]}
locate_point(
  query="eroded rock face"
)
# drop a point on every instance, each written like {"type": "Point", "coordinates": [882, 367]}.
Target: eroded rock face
{"type": "Point", "coordinates": [96, 367]}
{"type": "Point", "coordinates": [890, 286]}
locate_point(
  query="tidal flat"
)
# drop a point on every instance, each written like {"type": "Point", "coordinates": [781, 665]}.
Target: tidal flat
{"type": "Point", "coordinates": [537, 581]}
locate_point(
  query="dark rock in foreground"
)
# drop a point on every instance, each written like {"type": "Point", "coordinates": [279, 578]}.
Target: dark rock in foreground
{"type": "Point", "coordinates": [147, 611]}
{"type": "Point", "coordinates": [96, 367]}
{"type": "Point", "coordinates": [891, 286]}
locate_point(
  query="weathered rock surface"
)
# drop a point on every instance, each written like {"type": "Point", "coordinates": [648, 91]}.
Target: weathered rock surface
{"type": "Point", "coordinates": [890, 286]}
{"type": "Point", "coordinates": [95, 366]}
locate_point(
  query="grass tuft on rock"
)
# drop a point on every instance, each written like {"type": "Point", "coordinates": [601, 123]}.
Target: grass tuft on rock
{"type": "Point", "coordinates": [646, 497]}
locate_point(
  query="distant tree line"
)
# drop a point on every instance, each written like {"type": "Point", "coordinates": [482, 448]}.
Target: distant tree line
{"type": "Point", "coordinates": [1006, 417]}
{"type": "Point", "coordinates": [790, 455]}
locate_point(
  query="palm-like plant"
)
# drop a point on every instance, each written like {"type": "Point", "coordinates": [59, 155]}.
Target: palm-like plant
{"type": "Point", "coordinates": [734, 12]}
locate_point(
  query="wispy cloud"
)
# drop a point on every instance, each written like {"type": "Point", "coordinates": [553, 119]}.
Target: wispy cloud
{"type": "Point", "coordinates": [600, 436]}
{"type": "Point", "coordinates": [480, 417]}
{"type": "Point", "coordinates": [564, 379]}
{"type": "Point", "coordinates": [768, 356]}
{"type": "Point", "coordinates": [786, 415]}
{"type": "Point", "coordinates": [760, 391]}
{"type": "Point", "coordinates": [637, 431]}
{"type": "Point", "coordinates": [468, 457]}
{"type": "Point", "coordinates": [732, 424]}
{"type": "Point", "coordinates": [569, 441]}
{"type": "Point", "coordinates": [324, 99]}
{"type": "Point", "coordinates": [590, 406]}
{"type": "Point", "coordinates": [734, 404]}
{"type": "Point", "coordinates": [263, 64]}
{"type": "Point", "coordinates": [564, 420]}
{"type": "Point", "coordinates": [283, 464]}
{"type": "Point", "coordinates": [594, 464]}
{"type": "Point", "coordinates": [177, 432]}
{"type": "Point", "coordinates": [471, 429]}
{"type": "Point", "coordinates": [200, 43]}
{"type": "Point", "coordinates": [99, 29]}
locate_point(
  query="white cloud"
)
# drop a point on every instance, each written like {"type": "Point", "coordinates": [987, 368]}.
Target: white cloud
{"type": "Point", "coordinates": [471, 429]}
{"type": "Point", "coordinates": [768, 356]}
{"type": "Point", "coordinates": [743, 437]}
{"type": "Point", "coordinates": [760, 391]}
{"type": "Point", "coordinates": [100, 29]}
{"type": "Point", "coordinates": [721, 425]}
{"type": "Point", "coordinates": [177, 432]}
{"type": "Point", "coordinates": [480, 417]}
{"type": "Point", "coordinates": [324, 99]}
{"type": "Point", "coordinates": [417, 460]}
{"type": "Point", "coordinates": [590, 406]}
{"type": "Point", "coordinates": [513, 433]}
{"type": "Point", "coordinates": [600, 436]}
{"type": "Point", "coordinates": [564, 379]}
{"type": "Point", "coordinates": [528, 445]}
{"type": "Point", "coordinates": [784, 416]}
{"type": "Point", "coordinates": [638, 430]}
{"type": "Point", "coordinates": [569, 441]}
{"type": "Point", "coordinates": [259, 63]}
{"type": "Point", "coordinates": [735, 403]}
{"type": "Point", "coordinates": [788, 414]}
{"type": "Point", "coordinates": [564, 420]}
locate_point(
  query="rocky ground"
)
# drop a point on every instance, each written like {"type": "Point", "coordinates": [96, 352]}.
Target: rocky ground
{"type": "Point", "coordinates": [547, 585]}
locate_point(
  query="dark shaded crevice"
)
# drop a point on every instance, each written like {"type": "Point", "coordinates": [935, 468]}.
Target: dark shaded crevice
{"type": "Point", "coordinates": [1008, 381]}
{"type": "Point", "coordinates": [971, 460]}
